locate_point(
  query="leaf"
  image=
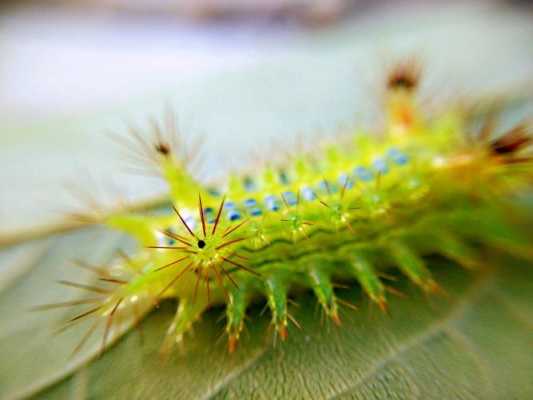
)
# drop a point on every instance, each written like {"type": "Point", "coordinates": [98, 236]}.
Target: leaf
{"type": "Point", "coordinates": [28, 277]}
{"type": "Point", "coordinates": [472, 343]}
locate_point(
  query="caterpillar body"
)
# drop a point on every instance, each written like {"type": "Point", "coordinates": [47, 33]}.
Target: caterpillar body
{"type": "Point", "coordinates": [420, 186]}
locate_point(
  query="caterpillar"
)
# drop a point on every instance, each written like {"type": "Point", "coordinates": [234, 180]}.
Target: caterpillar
{"type": "Point", "coordinates": [342, 213]}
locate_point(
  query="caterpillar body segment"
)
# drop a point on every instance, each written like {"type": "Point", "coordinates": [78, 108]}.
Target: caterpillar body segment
{"type": "Point", "coordinates": [276, 290]}
{"type": "Point", "coordinates": [367, 277]}
{"type": "Point", "coordinates": [237, 302]}
{"type": "Point", "coordinates": [345, 213]}
{"type": "Point", "coordinates": [187, 312]}
{"type": "Point", "coordinates": [322, 285]}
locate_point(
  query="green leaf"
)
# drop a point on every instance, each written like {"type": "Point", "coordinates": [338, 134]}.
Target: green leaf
{"type": "Point", "coordinates": [472, 343]}
{"type": "Point", "coordinates": [32, 357]}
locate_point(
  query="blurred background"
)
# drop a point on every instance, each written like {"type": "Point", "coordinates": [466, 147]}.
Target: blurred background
{"type": "Point", "coordinates": [240, 74]}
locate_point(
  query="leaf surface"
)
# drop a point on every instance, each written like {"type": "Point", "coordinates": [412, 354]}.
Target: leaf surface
{"type": "Point", "coordinates": [472, 343]}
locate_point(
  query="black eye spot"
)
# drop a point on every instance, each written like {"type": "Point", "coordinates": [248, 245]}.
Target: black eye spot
{"type": "Point", "coordinates": [201, 244]}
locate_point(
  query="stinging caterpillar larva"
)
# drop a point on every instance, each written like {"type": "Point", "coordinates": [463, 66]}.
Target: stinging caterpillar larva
{"type": "Point", "coordinates": [422, 185]}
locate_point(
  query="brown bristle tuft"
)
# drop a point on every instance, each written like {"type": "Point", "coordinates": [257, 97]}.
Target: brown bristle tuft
{"type": "Point", "coordinates": [404, 76]}
{"type": "Point", "coordinates": [512, 141]}
{"type": "Point", "coordinates": [162, 148]}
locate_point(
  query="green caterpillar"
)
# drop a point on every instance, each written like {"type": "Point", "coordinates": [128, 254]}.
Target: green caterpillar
{"type": "Point", "coordinates": [344, 213]}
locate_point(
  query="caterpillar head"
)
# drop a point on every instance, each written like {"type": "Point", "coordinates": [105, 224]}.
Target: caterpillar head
{"type": "Point", "coordinates": [206, 250]}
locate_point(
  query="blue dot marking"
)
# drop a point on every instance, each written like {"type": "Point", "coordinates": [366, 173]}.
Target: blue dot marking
{"type": "Point", "coordinates": [380, 165]}
{"type": "Point", "coordinates": [272, 203]}
{"type": "Point", "coordinates": [255, 212]}
{"type": "Point", "coordinates": [363, 173]}
{"type": "Point", "coordinates": [233, 215]}
{"type": "Point", "coordinates": [345, 181]}
{"type": "Point", "coordinates": [290, 198]}
{"type": "Point", "coordinates": [229, 205]}
{"type": "Point", "coordinates": [250, 202]}
{"type": "Point", "coordinates": [398, 157]}
{"type": "Point", "coordinates": [308, 194]}
{"type": "Point", "coordinates": [325, 186]}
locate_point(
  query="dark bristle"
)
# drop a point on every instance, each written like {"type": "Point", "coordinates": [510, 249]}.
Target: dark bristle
{"type": "Point", "coordinates": [230, 229]}
{"type": "Point", "coordinates": [175, 279]}
{"type": "Point", "coordinates": [184, 223]}
{"type": "Point", "coordinates": [240, 266]}
{"type": "Point", "coordinates": [172, 263]}
{"type": "Point", "coordinates": [217, 219]}
{"type": "Point", "coordinates": [85, 337]}
{"type": "Point", "coordinates": [176, 237]}
{"type": "Point", "coordinates": [108, 325]}
{"type": "Point", "coordinates": [230, 242]}
{"type": "Point", "coordinates": [228, 275]}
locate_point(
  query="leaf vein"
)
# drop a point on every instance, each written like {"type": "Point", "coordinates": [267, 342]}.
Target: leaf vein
{"type": "Point", "coordinates": [457, 311]}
